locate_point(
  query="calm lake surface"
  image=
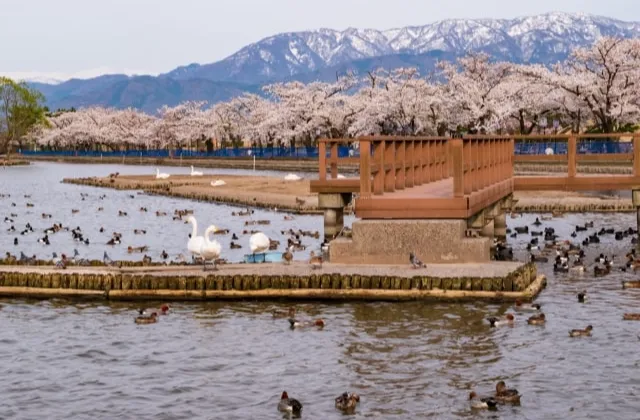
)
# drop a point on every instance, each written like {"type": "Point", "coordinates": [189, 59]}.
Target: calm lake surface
{"type": "Point", "coordinates": [64, 359]}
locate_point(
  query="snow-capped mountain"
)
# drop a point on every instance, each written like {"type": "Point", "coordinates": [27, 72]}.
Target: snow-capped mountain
{"type": "Point", "coordinates": [321, 54]}
{"type": "Point", "coordinates": [543, 38]}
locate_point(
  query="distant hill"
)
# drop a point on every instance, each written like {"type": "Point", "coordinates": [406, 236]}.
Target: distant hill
{"type": "Point", "coordinates": [320, 54]}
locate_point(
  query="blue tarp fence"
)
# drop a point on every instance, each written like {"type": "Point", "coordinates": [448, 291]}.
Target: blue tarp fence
{"type": "Point", "coordinates": [521, 148]}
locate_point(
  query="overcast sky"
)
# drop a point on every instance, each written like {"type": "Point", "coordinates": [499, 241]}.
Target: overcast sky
{"type": "Point", "coordinates": [82, 38]}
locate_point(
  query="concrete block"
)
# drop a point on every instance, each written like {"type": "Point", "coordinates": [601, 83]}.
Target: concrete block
{"type": "Point", "coordinates": [390, 241]}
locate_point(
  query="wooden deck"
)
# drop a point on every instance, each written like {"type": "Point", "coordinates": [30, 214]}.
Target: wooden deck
{"type": "Point", "coordinates": [451, 178]}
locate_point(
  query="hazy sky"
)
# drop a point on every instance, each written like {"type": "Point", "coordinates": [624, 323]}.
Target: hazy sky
{"type": "Point", "coordinates": [63, 38]}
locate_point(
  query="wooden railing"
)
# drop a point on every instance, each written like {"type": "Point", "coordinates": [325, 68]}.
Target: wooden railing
{"type": "Point", "coordinates": [480, 162]}
{"type": "Point", "coordinates": [390, 163]}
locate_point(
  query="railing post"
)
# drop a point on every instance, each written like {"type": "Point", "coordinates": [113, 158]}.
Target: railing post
{"type": "Point", "coordinates": [418, 161]}
{"type": "Point", "coordinates": [322, 160]}
{"type": "Point", "coordinates": [636, 155]}
{"type": "Point", "coordinates": [378, 158]}
{"type": "Point", "coordinates": [334, 160]}
{"type": "Point", "coordinates": [427, 152]}
{"type": "Point", "coordinates": [410, 163]}
{"type": "Point", "coordinates": [456, 147]}
{"type": "Point", "coordinates": [389, 166]}
{"type": "Point", "coordinates": [571, 156]}
{"type": "Point", "coordinates": [401, 168]}
{"type": "Point", "coordinates": [365, 168]}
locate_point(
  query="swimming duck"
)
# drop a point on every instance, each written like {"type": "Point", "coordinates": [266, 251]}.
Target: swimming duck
{"type": "Point", "coordinates": [289, 405]}
{"type": "Point", "coordinates": [153, 318]}
{"type": "Point", "coordinates": [560, 268]}
{"type": "Point", "coordinates": [304, 324]}
{"type": "Point", "coordinates": [289, 313]}
{"type": "Point", "coordinates": [164, 255]}
{"type": "Point", "coordinates": [347, 402]}
{"type": "Point", "coordinates": [631, 284]}
{"type": "Point", "coordinates": [508, 319]}
{"type": "Point", "coordinates": [599, 272]}
{"type": "Point", "coordinates": [506, 395]}
{"type": "Point", "coordinates": [234, 245]}
{"type": "Point", "coordinates": [478, 402]}
{"type": "Point", "coordinates": [538, 319]}
{"type": "Point", "coordinates": [582, 296]}
{"type": "Point", "coordinates": [581, 333]}
{"type": "Point", "coordinates": [537, 222]}
{"type": "Point", "coordinates": [538, 258]}
{"type": "Point", "coordinates": [526, 306]}
{"type": "Point", "coordinates": [631, 317]}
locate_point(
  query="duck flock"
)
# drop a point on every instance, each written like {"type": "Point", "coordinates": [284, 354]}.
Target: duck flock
{"type": "Point", "coordinates": [29, 228]}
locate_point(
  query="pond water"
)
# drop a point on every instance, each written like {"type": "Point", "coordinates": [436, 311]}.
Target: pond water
{"type": "Point", "coordinates": [41, 182]}
{"type": "Point", "coordinates": [88, 360]}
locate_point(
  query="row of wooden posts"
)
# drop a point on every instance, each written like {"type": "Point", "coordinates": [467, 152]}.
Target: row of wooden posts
{"type": "Point", "coordinates": [391, 163]}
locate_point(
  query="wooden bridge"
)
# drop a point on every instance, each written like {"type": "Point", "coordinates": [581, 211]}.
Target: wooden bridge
{"type": "Point", "coordinates": [470, 178]}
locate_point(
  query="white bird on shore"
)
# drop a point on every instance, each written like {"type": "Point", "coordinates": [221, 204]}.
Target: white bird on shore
{"type": "Point", "coordinates": [161, 175]}
{"type": "Point", "coordinates": [194, 172]}
{"type": "Point", "coordinates": [292, 177]}
{"type": "Point", "coordinates": [340, 176]}
{"type": "Point", "coordinates": [210, 250]}
{"type": "Point", "coordinates": [259, 242]}
{"type": "Point", "coordinates": [218, 183]}
{"type": "Point", "coordinates": [196, 242]}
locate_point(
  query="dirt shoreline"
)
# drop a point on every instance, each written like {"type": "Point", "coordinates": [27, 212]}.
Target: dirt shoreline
{"type": "Point", "coordinates": [294, 196]}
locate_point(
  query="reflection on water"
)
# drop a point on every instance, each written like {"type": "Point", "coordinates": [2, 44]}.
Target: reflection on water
{"type": "Point", "coordinates": [42, 182]}
{"type": "Point", "coordinates": [407, 360]}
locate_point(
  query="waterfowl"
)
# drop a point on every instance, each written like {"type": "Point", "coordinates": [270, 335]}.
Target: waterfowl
{"type": "Point", "coordinates": [15, 241]}
{"type": "Point", "coordinates": [164, 255]}
{"type": "Point", "coordinates": [538, 258]}
{"type": "Point", "coordinates": [537, 222]}
{"type": "Point", "coordinates": [146, 260]}
{"type": "Point", "coordinates": [259, 243]}
{"type": "Point", "coordinates": [293, 323]}
{"type": "Point", "coordinates": [210, 250]}
{"type": "Point", "coordinates": [292, 177]}
{"type": "Point", "coordinates": [581, 333]}
{"type": "Point", "coordinates": [139, 232]}
{"type": "Point", "coordinates": [508, 319]}
{"type": "Point", "coordinates": [347, 402]}
{"type": "Point", "coordinates": [599, 272]}
{"type": "Point", "coordinates": [300, 202]}
{"type": "Point", "coordinates": [315, 260]}
{"type": "Point", "coordinates": [151, 319]}
{"type": "Point", "coordinates": [519, 306]}
{"type": "Point", "coordinates": [195, 173]}
{"type": "Point", "coordinates": [234, 245]}
{"type": "Point", "coordinates": [289, 313]}
{"type": "Point", "coordinates": [478, 402]}
{"type": "Point", "coordinates": [538, 319]}
{"type": "Point", "coordinates": [164, 310]}
{"type": "Point", "coordinates": [507, 395]}
{"type": "Point", "coordinates": [289, 405]}
{"type": "Point", "coordinates": [287, 256]}
{"type": "Point", "coordinates": [160, 175]}
{"type": "Point", "coordinates": [631, 317]}
{"type": "Point", "coordinates": [631, 284]}
{"type": "Point", "coordinates": [195, 243]}
{"type": "Point", "coordinates": [415, 261]}
{"type": "Point", "coordinates": [560, 268]}
{"type": "Point", "coordinates": [218, 183]}
{"type": "Point", "coordinates": [582, 296]}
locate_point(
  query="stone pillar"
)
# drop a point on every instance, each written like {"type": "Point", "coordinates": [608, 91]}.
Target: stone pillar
{"type": "Point", "coordinates": [500, 226]}
{"type": "Point", "coordinates": [635, 196]}
{"type": "Point", "coordinates": [333, 222]}
{"type": "Point", "coordinates": [333, 206]}
{"type": "Point", "coordinates": [488, 230]}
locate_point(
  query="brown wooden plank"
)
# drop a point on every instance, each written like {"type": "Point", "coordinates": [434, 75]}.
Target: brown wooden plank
{"type": "Point", "coordinates": [347, 185]}
{"type": "Point", "coordinates": [322, 160]}
{"type": "Point", "coordinates": [409, 157]}
{"type": "Point", "coordinates": [457, 158]}
{"type": "Point", "coordinates": [378, 158]}
{"type": "Point", "coordinates": [334, 160]}
{"type": "Point", "coordinates": [401, 166]}
{"type": "Point", "coordinates": [571, 156]}
{"type": "Point", "coordinates": [389, 164]}
{"type": "Point", "coordinates": [365, 168]}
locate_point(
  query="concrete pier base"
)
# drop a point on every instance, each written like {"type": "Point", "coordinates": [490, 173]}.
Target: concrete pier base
{"type": "Point", "coordinates": [333, 206]}
{"type": "Point", "coordinates": [500, 226]}
{"type": "Point", "coordinates": [391, 241]}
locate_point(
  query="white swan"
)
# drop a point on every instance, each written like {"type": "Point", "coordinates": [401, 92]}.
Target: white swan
{"type": "Point", "coordinates": [259, 242]}
{"type": "Point", "coordinates": [195, 242]}
{"type": "Point", "coordinates": [218, 183]}
{"type": "Point", "coordinates": [195, 173]}
{"type": "Point", "coordinates": [292, 177]}
{"type": "Point", "coordinates": [210, 250]}
{"type": "Point", "coordinates": [340, 176]}
{"type": "Point", "coordinates": [161, 175]}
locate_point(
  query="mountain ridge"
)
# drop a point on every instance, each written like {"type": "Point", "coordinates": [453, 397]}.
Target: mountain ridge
{"type": "Point", "coordinates": [320, 54]}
